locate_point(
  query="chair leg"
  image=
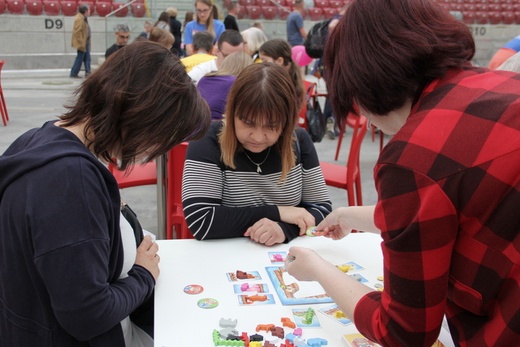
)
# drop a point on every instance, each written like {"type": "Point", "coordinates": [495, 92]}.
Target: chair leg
{"type": "Point", "coordinates": [340, 140]}
{"type": "Point", "coordinates": [3, 111]}
{"type": "Point", "coordinates": [4, 105]}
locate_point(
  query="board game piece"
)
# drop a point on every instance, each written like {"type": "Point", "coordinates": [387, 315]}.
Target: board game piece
{"type": "Point", "coordinates": [267, 299]}
{"type": "Point", "coordinates": [193, 289]}
{"type": "Point", "coordinates": [207, 303]}
{"type": "Point", "coordinates": [227, 323]}
{"type": "Point", "coordinates": [305, 318]}
{"type": "Point", "coordinates": [312, 232]}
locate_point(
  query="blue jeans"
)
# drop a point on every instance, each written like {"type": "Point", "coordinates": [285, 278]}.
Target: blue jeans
{"type": "Point", "coordinates": [81, 57]}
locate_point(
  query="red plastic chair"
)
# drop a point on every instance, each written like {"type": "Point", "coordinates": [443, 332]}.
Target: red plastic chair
{"type": "Point", "coordinates": [349, 177]}
{"type": "Point", "coordinates": [283, 13]}
{"type": "Point", "coordinates": [176, 226]}
{"type": "Point", "coordinates": [138, 10]}
{"type": "Point", "coordinates": [264, 3]}
{"type": "Point", "coordinates": [141, 175]}
{"type": "Point", "coordinates": [336, 3]}
{"type": "Point", "coordinates": [51, 7]}
{"type": "Point", "coordinates": [3, 105]}
{"type": "Point", "coordinates": [2, 6]}
{"type": "Point", "coordinates": [254, 12]}
{"type": "Point", "coordinates": [90, 4]}
{"type": "Point", "coordinates": [269, 12]}
{"type": "Point", "coordinates": [34, 7]}
{"type": "Point", "coordinates": [103, 8]}
{"type": "Point", "coordinates": [15, 6]}
{"type": "Point", "coordinates": [121, 7]}
{"type": "Point", "coordinates": [321, 3]}
{"type": "Point", "coordinates": [315, 13]}
{"type": "Point", "coordinates": [69, 7]}
{"type": "Point", "coordinates": [330, 12]}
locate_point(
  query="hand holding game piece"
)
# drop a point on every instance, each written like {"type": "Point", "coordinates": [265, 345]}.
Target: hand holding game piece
{"type": "Point", "coordinates": [303, 263]}
{"type": "Point", "coordinates": [313, 232]}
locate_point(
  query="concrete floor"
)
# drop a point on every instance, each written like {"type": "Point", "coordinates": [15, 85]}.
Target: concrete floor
{"type": "Point", "coordinates": [33, 97]}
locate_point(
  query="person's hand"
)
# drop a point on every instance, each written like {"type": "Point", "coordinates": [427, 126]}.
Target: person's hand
{"type": "Point", "coordinates": [266, 232]}
{"type": "Point", "coordinates": [336, 225]}
{"type": "Point", "coordinates": [303, 263]}
{"type": "Point", "coordinates": [147, 256]}
{"type": "Point", "coordinates": [298, 216]}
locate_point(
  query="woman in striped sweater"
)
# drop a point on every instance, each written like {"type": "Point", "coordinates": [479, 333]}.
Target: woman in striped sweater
{"type": "Point", "coordinates": [255, 174]}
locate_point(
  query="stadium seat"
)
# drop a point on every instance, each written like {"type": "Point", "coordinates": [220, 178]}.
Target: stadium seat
{"type": "Point", "coordinates": [481, 17]}
{"type": "Point", "coordinates": [269, 12]}
{"type": "Point", "coordinates": [51, 7]}
{"type": "Point", "coordinates": [283, 13]}
{"type": "Point", "coordinates": [90, 5]}
{"type": "Point", "coordinates": [242, 12]}
{"type": "Point", "coordinates": [138, 10]}
{"type": "Point", "coordinates": [280, 2]}
{"type": "Point", "coordinates": [508, 17]}
{"type": "Point", "coordinates": [469, 7]}
{"type": "Point", "coordinates": [121, 7]}
{"type": "Point", "coordinates": [103, 8]}
{"type": "Point", "coordinates": [494, 17]}
{"type": "Point", "coordinates": [247, 2]}
{"type": "Point", "coordinates": [34, 7]}
{"type": "Point", "coordinates": [336, 3]}
{"type": "Point", "coordinates": [330, 12]}
{"type": "Point", "coordinates": [491, 7]}
{"type": "Point", "coordinates": [468, 17]}
{"type": "Point", "coordinates": [68, 8]}
{"type": "Point", "coordinates": [2, 6]}
{"type": "Point", "coordinates": [481, 7]}
{"type": "Point", "coordinates": [15, 6]}
{"type": "Point", "coordinates": [254, 12]}
{"type": "Point", "coordinates": [289, 3]}
{"type": "Point", "coordinates": [456, 7]}
{"type": "Point", "coordinates": [321, 3]}
{"type": "Point", "coordinates": [264, 3]}
{"type": "Point", "coordinates": [315, 13]}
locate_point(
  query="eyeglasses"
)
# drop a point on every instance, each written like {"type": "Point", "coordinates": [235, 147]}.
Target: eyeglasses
{"type": "Point", "coordinates": [203, 11]}
{"type": "Point", "coordinates": [125, 37]}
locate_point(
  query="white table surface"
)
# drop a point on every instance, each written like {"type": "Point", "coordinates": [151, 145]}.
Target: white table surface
{"type": "Point", "coordinates": [179, 322]}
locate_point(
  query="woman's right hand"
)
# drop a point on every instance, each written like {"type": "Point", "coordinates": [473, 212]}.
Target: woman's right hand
{"type": "Point", "coordinates": [147, 256]}
{"type": "Point", "coordinates": [298, 216]}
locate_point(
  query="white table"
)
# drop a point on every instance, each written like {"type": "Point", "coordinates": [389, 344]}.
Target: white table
{"type": "Point", "coordinates": [179, 322]}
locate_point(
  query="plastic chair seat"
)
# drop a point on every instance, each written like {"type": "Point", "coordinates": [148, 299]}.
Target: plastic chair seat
{"type": "Point", "coordinates": [15, 6]}
{"type": "Point", "coordinates": [138, 10]}
{"type": "Point", "coordinates": [69, 8]}
{"type": "Point", "coordinates": [321, 3]}
{"type": "Point", "coordinates": [176, 227]}
{"type": "Point", "coordinates": [336, 3]}
{"type": "Point", "coordinates": [141, 175]}
{"type": "Point", "coordinates": [254, 12]}
{"type": "Point", "coordinates": [51, 7]}
{"type": "Point", "coordinates": [103, 8]}
{"type": "Point", "coordinates": [121, 6]}
{"type": "Point", "coordinates": [2, 6]}
{"type": "Point", "coordinates": [34, 7]}
{"type": "Point", "coordinates": [330, 12]}
{"type": "Point", "coordinates": [269, 12]}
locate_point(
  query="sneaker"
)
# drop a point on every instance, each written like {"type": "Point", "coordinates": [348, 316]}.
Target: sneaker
{"type": "Point", "coordinates": [331, 134]}
{"type": "Point", "coordinates": [76, 76]}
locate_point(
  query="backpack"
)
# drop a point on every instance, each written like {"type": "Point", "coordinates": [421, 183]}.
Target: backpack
{"type": "Point", "coordinates": [316, 37]}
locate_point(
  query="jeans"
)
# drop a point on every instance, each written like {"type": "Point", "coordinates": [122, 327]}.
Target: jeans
{"type": "Point", "coordinates": [81, 57]}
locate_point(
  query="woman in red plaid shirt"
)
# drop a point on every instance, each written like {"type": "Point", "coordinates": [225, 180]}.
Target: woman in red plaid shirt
{"type": "Point", "coordinates": [448, 181]}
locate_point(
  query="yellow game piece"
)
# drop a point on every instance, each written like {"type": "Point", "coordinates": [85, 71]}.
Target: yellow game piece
{"type": "Point", "coordinates": [380, 278]}
{"type": "Point", "coordinates": [339, 314]}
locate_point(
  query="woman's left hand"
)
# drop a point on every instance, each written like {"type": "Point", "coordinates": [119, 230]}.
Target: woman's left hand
{"type": "Point", "coordinates": [266, 232]}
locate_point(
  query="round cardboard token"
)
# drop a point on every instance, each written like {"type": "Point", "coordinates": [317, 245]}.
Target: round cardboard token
{"type": "Point", "coordinates": [207, 303]}
{"type": "Point", "coordinates": [193, 289]}
{"type": "Point", "coordinates": [311, 231]}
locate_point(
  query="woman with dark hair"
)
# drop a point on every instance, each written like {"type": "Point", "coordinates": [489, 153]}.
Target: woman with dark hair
{"type": "Point", "coordinates": [279, 51]}
{"type": "Point", "coordinates": [71, 274]}
{"type": "Point", "coordinates": [448, 181]}
{"type": "Point", "coordinates": [204, 21]}
{"type": "Point", "coordinates": [255, 174]}
{"type": "Point", "coordinates": [163, 22]}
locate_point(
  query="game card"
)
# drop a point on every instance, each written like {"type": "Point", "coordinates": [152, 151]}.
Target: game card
{"type": "Point", "coordinates": [305, 318]}
{"type": "Point", "coordinates": [243, 275]}
{"type": "Point", "coordinates": [277, 257]}
{"type": "Point", "coordinates": [358, 278]}
{"type": "Point", "coordinates": [250, 288]}
{"type": "Point", "coordinates": [357, 340]}
{"type": "Point", "coordinates": [336, 314]}
{"type": "Point", "coordinates": [256, 299]}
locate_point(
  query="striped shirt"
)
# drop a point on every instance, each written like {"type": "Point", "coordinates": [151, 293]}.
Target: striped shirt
{"type": "Point", "coordinates": [220, 202]}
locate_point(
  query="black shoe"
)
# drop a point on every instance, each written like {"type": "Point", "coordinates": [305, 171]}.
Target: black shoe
{"type": "Point", "coordinates": [71, 76]}
{"type": "Point", "coordinates": [87, 74]}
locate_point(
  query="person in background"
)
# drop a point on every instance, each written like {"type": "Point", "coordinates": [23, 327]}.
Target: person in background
{"type": "Point", "coordinates": [505, 52]}
{"type": "Point", "coordinates": [278, 51]}
{"type": "Point", "coordinates": [188, 17]}
{"type": "Point", "coordinates": [296, 32]}
{"type": "Point", "coordinates": [73, 271]}
{"type": "Point", "coordinates": [258, 24]}
{"type": "Point", "coordinates": [230, 22]}
{"type": "Point", "coordinates": [256, 174]}
{"type": "Point", "coordinates": [122, 32]}
{"type": "Point", "coordinates": [511, 64]}
{"type": "Point", "coordinates": [161, 36]}
{"type": "Point", "coordinates": [253, 39]}
{"type": "Point", "coordinates": [146, 32]}
{"type": "Point", "coordinates": [204, 22]}
{"type": "Point", "coordinates": [230, 41]}
{"type": "Point", "coordinates": [448, 181]}
{"type": "Point", "coordinates": [203, 46]}
{"type": "Point", "coordinates": [164, 21]}
{"type": "Point", "coordinates": [215, 86]}
{"type": "Point", "coordinates": [81, 42]}
{"type": "Point", "coordinates": [176, 30]}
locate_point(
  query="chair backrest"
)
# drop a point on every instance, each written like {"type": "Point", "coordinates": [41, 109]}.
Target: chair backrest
{"type": "Point", "coordinates": [174, 212]}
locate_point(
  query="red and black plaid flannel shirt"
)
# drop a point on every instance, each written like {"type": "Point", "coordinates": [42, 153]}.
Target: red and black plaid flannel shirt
{"type": "Point", "coordinates": [449, 212]}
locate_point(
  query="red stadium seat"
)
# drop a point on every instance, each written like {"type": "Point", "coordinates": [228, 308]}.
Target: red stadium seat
{"type": "Point", "coordinates": [495, 17]}
{"type": "Point", "coordinates": [321, 3]}
{"type": "Point", "coordinates": [336, 3]}
{"type": "Point", "coordinates": [469, 7]}
{"type": "Point", "coordinates": [69, 8]}
{"type": "Point", "coordinates": [103, 8]}
{"type": "Point", "coordinates": [481, 17]}
{"type": "Point", "coordinates": [90, 5]}
{"type": "Point", "coordinates": [264, 3]}
{"type": "Point", "coordinates": [481, 7]}
{"type": "Point", "coordinates": [468, 17]}
{"type": "Point", "coordinates": [281, 2]}
{"type": "Point", "coordinates": [289, 3]}
{"type": "Point", "coordinates": [121, 7]}
{"type": "Point", "coordinates": [34, 7]}
{"type": "Point", "coordinates": [242, 12]}
{"type": "Point", "coordinates": [51, 7]}
{"type": "Point", "coordinates": [269, 12]}
{"type": "Point", "coordinates": [15, 6]}
{"type": "Point", "coordinates": [138, 10]}
{"type": "Point", "coordinates": [283, 12]}
{"type": "Point", "coordinates": [315, 13]}
{"type": "Point", "coordinates": [456, 7]}
{"type": "Point", "coordinates": [330, 12]}
{"type": "Point", "coordinates": [508, 17]}
{"type": "Point", "coordinates": [2, 6]}
{"type": "Point", "coordinates": [247, 2]}
{"type": "Point", "coordinates": [254, 12]}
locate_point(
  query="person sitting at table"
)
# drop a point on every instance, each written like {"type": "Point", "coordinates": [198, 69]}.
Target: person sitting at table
{"type": "Point", "coordinates": [253, 39]}
{"type": "Point", "coordinates": [256, 174]}
{"type": "Point", "coordinates": [448, 181]}
{"type": "Point", "coordinates": [71, 273]}
{"type": "Point", "coordinates": [215, 86]}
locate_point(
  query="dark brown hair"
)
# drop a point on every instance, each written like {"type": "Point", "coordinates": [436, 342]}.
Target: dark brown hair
{"type": "Point", "coordinates": [384, 52]}
{"type": "Point", "coordinates": [263, 93]}
{"type": "Point", "coordinates": [139, 103]}
{"type": "Point", "coordinates": [280, 48]}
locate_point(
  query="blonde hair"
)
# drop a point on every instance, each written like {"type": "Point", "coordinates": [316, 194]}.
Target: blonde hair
{"type": "Point", "coordinates": [161, 36]}
{"type": "Point", "coordinates": [209, 23]}
{"type": "Point", "coordinates": [172, 11]}
{"type": "Point", "coordinates": [233, 64]}
{"type": "Point", "coordinates": [262, 94]}
{"type": "Point", "coordinates": [255, 38]}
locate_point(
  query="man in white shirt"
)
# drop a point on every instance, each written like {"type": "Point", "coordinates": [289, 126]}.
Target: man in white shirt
{"type": "Point", "coordinates": [229, 41]}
